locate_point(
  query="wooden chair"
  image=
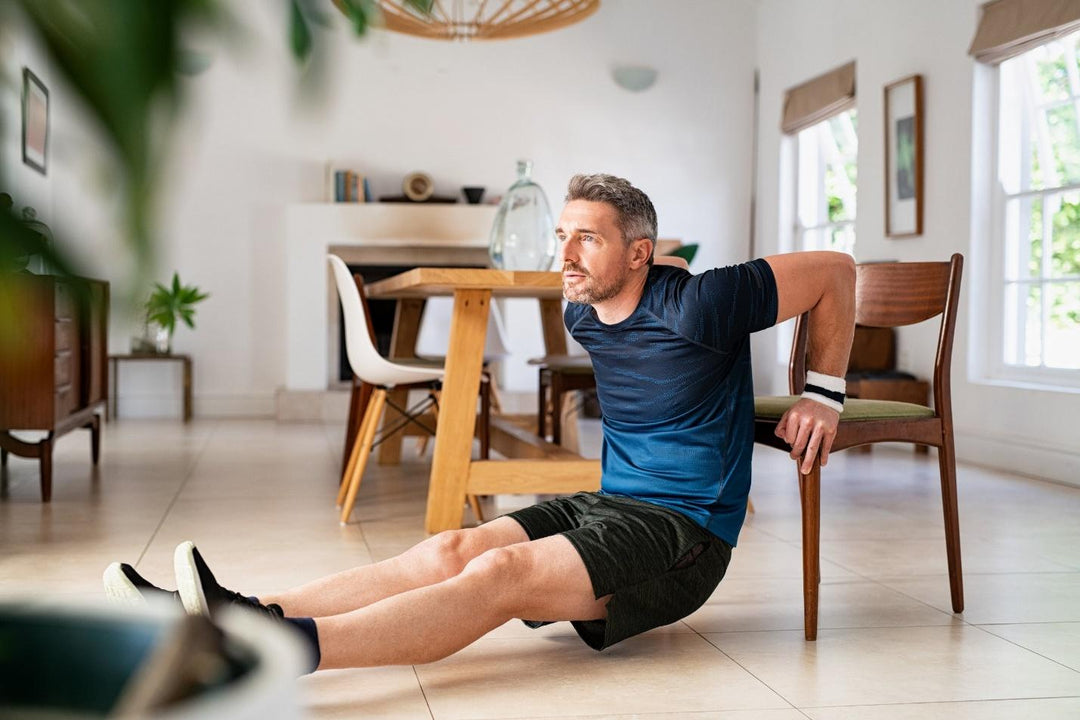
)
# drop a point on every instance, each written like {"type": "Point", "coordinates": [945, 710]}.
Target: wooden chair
{"type": "Point", "coordinates": [886, 295]}
{"type": "Point", "coordinates": [558, 375]}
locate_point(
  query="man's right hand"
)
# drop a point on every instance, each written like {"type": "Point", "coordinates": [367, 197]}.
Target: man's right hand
{"type": "Point", "coordinates": [809, 428]}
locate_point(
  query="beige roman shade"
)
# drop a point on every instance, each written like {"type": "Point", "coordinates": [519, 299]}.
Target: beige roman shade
{"type": "Point", "coordinates": [819, 99]}
{"type": "Point", "coordinates": [1010, 27]}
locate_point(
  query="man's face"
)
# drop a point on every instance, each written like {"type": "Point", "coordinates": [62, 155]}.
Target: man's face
{"type": "Point", "coordinates": [595, 258]}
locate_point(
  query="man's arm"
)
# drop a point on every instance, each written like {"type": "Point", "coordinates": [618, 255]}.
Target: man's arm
{"type": "Point", "coordinates": [822, 283]}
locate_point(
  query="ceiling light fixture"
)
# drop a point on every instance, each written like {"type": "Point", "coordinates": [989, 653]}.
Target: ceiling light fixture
{"type": "Point", "coordinates": [484, 19]}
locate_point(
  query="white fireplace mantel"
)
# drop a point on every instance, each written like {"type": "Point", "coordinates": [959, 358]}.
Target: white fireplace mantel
{"type": "Point", "coordinates": [365, 233]}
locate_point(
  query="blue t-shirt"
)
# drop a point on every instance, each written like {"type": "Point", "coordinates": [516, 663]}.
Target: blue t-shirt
{"type": "Point", "coordinates": [676, 392]}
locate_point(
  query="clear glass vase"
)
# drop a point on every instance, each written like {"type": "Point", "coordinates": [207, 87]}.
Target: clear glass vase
{"type": "Point", "coordinates": [523, 235]}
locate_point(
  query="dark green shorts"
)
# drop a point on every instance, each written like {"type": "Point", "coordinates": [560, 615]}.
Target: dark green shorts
{"type": "Point", "coordinates": [657, 565]}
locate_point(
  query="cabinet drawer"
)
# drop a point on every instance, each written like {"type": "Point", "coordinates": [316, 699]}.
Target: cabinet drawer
{"type": "Point", "coordinates": [65, 335]}
{"type": "Point", "coordinates": [66, 401]}
{"type": "Point", "coordinates": [63, 368]}
{"type": "Point", "coordinates": [65, 305]}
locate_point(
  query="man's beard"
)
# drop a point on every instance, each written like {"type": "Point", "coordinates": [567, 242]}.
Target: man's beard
{"type": "Point", "coordinates": [589, 291]}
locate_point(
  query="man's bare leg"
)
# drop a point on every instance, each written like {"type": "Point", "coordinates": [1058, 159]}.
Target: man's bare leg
{"type": "Point", "coordinates": [542, 580]}
{"type": "Point", "coordinates": [431, 561]}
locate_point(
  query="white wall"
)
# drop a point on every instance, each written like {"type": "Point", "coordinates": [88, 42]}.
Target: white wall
{"type": "Point", "coordinates": [26, 185]}
{"type": "Point", "coordinates": [252, 142]}
{"type": "Point", "coordinates": [1026, 431]}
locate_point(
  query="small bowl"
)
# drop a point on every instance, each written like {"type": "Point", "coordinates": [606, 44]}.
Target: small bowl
{"type": "Point", "coordinates": [473, 194]}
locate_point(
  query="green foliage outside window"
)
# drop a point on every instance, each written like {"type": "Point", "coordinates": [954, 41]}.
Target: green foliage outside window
{"type": "Point", "coordinates": [1064, 259]}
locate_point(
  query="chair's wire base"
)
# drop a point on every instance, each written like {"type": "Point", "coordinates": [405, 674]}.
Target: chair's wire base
{"type": "Point", "coordinates": [408, 416]}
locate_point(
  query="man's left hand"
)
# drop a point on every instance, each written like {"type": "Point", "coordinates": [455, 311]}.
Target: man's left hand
{"type": "Point", "coordinates": [809, 428]}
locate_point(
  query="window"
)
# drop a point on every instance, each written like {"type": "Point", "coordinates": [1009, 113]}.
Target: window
{"type": "Point", "coordinates": [826, 183]}
{"type": "Point", "coordinates": [1036, 206]}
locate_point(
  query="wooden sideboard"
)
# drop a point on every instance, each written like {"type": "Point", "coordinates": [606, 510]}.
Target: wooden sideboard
{"type": "Point", "coordinates": [53, 367]}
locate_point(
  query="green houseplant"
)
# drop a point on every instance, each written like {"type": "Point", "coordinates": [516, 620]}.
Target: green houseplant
{"type": "Point", "coordinates": [166, 305]}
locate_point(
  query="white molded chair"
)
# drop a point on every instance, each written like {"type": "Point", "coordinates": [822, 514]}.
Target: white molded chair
{"type": "Point", "coordinates": [372, 368]}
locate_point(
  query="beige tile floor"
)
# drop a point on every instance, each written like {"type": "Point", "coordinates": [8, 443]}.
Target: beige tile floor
{"type": "Point", "coordinates": [258, 498]}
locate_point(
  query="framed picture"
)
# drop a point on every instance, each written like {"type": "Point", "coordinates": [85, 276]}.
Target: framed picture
{"type": "Point", "coordinates": [35, 121]}
{"type": "Point", "coordinates": [904, 157]}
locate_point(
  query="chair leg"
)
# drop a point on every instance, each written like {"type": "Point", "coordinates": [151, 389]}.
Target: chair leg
{"type": "Point", "coordinates": [541, 405]}
{"type": "Point", "coordinates": [359, 398]}
{"type": "Point", "coordinates": [422, 440]}
{"type": "Point", "coordinates": [556, 408]}
{"type": "Point", "coordinates": [947, 465]}
{"type": "Point", "coordinates": [374, 413]}
{"type": "Point", "coordinates": [487, 391]}
{"type": "Point", "coordinates": [474, 503]}
{"type": "Point", "coordinates": [390, 447]}
{"type": "Point", "coordinates": [810, 494]}
{"type": "Point", "coordinates": [354, 454]}
{"type": "Point", "coordinates": [496, 402]}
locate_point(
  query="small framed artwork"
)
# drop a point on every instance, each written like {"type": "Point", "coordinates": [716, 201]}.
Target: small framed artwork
{"type": "Point", "coordinates": [35, 121]}
{"type": "Point", "coordinates": [904, 157]}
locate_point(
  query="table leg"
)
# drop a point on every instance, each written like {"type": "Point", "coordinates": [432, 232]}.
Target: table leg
{"type": "Point", "coordinates": [457, 413]}
{"type": "Point", "coordinates": [402, 345]}
{"type": "Point", "coordinates": [187, 389]}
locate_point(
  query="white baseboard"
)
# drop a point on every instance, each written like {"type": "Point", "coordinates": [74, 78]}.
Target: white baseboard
{"type": "Point", "coordinates": [311, 405]}
{"type": "Point", "coordinates": [1023, 456]}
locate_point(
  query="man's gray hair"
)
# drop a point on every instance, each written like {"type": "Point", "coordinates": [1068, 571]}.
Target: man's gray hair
{"type": "Point", "coordinates": [634, 212]}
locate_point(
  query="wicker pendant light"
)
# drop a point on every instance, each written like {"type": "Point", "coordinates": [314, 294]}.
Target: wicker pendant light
{"type": "Point", "coordinates": [484, 19]}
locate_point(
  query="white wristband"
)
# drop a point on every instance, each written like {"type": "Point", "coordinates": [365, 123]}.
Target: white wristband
{"type": "Point", "coordinates": [828, 390]}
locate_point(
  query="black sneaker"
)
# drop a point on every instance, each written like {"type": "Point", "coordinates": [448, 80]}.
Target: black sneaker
{"type": "Point", "coordinates": [126, 587]}
{"type": "Point", "coordinates": [200, 591]}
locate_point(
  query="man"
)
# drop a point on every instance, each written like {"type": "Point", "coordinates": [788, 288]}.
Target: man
{"type": "Point", "coordinates": [672, 362]}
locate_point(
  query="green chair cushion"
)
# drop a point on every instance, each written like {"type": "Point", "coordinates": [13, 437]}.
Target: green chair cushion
{"type": "Point", "coordinates": [771, 407]}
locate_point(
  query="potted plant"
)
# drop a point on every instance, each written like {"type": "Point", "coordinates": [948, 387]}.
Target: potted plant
{"type": "Point", "coordinates": [165, 306]}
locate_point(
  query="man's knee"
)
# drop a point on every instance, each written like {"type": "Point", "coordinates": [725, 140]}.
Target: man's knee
{"type": "Point", "coordinates": [503, 568]}
{"type": "Point", "coordinates": [451, 551]}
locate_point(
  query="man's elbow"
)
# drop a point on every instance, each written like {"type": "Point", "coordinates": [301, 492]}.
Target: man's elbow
{"type": "Point", "coordinates": [843, 272]}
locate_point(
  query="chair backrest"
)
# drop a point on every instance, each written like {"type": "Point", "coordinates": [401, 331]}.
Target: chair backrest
{"type": "Point", "coordinates": [359, 342]}
{"type": "Point", "coordinates": [896, 294]}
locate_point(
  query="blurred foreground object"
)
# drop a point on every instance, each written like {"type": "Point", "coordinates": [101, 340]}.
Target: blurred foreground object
{"type": "Point", "coordinates": [75, 661]}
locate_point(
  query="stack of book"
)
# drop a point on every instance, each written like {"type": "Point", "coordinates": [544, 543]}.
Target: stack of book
{"type": "Point", "coordinates": [351, 187]}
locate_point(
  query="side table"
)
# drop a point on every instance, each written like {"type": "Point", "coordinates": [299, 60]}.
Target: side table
{"type": "Point", "coordinates": [114, 386]}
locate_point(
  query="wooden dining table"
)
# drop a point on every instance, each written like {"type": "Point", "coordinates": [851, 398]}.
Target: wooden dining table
{"type": "Point", "coordinates": [533, 465]}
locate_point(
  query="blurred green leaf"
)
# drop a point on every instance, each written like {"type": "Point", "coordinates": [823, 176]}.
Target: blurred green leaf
{"type": "Point", "coordinates": [299, 32]}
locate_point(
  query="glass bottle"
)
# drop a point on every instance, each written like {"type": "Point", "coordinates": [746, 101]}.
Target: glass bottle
{"type": "Point", "coordinates": [523, 235]}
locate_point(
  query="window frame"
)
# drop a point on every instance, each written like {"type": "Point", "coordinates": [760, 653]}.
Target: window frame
{"type": "Point", "coordinates": [792, 231]}
{"type": "Point", "coordinates": [799, 231]}
{"type": "Point", "coordinates": [989, 366]}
